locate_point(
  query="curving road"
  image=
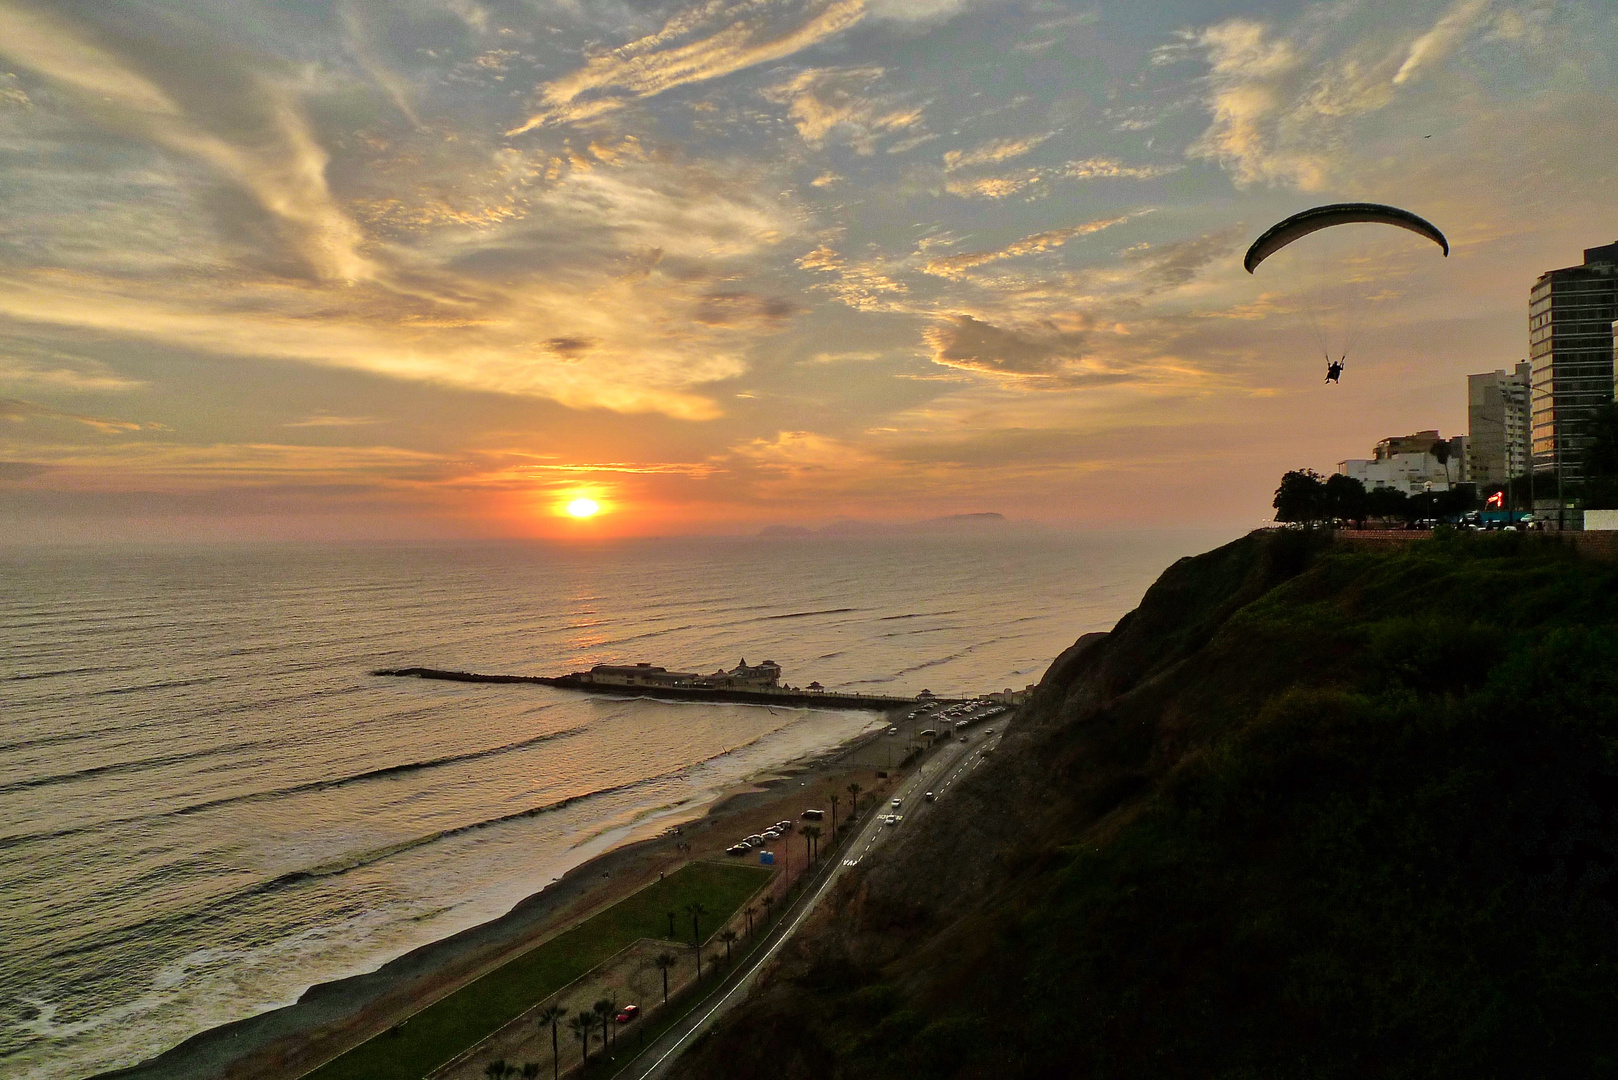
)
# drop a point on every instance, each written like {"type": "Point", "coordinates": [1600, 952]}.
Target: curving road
{"type": "Point", "coordinates": [941, 770]}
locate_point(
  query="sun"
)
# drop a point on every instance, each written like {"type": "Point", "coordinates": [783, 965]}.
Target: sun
{"type": "Point", "coordinates": [584, 508]}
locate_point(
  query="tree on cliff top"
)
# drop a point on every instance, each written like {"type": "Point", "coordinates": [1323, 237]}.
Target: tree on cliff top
{"type": "Point", "coordinates": [1301, 497]}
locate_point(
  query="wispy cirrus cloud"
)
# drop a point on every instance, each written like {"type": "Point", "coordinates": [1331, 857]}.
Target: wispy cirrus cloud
{"type": "Point", "coordinates": [17, 410]}
{"type": "Point", "coordinates": [826, 103]}
{"type": "Point", "coordinates": [706, 42]}
{"type": "Point", "coordinates": [246, 127]}
{"type": "Point", "coordinates": [957, 266]}
{"type": "Point", "coordinates": [1282, 103]}
{"type": "Point", "coordinates": [993, 152]}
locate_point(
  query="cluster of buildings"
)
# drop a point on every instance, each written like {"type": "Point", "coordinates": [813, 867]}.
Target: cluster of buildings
{"type": "Point", "coordinates": [744, 676]}
{"type": "Point", "coordinates": [1533, 420]}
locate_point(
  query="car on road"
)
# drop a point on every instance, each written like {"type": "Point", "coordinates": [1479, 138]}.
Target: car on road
{"type": "Point", "coordinates": [627, 1013]}
{"type": "Point", "coordinates": [988, 731]}
{"type": "Point", "coordinates": [965, 739]}
{"type": "Point", "coordinates": [929, 796]}
{"type": "Point", "coordinates": [891, 819]}
{"type": "Point", "coordinates": [898, 803]}
{"type": "Point", "coordinates": [893, 731]}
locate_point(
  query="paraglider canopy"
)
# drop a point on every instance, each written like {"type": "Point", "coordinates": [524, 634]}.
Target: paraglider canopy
{"type": "Point", "coordinates": [1302, 224]}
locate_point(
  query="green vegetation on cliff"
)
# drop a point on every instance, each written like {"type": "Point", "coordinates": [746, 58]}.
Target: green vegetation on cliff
{"type": "Point", "coordinates": [1307, 812]}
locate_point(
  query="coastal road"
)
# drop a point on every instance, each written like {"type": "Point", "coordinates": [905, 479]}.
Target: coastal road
{"type": "Point", "coordinates": [945, 767]}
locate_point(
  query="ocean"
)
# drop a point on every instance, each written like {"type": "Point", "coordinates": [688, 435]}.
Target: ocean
{"type": "Point", "coordinates": [207, 805]}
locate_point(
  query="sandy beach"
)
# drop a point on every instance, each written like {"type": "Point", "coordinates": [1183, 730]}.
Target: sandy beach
{"type": "Point", "coordinates": [331, 1017]}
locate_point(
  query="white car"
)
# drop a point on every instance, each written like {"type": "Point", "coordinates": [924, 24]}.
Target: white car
{"type": "Point", "coordinates": [891, 819]}
{"type": "Point", "coordinates": [898, 803]}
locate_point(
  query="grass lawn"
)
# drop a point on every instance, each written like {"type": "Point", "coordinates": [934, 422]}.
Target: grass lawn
{"type": "Point", "coordinates": [444, 1029]}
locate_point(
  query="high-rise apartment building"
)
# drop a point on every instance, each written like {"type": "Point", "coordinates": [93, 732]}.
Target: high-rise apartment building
{"type": "Point", "coordinates": [1570, 347]}
{"type": "Point", "coordinates": [1498, 424]}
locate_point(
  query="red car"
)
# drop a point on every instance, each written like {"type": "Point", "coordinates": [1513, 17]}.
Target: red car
{"type": "Point", "coordinates": [629, 1013]}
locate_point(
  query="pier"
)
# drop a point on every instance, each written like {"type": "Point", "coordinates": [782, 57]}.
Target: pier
{"type": "Point", "coordinates": [817, 699]}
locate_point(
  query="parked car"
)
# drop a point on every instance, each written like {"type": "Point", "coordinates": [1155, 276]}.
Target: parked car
{"type": "Point", "coordinates": [783, 826]}
{"type": "Point", "coordinates": [813, 815]}
{"type": "Point", "coordinates": [771, 834]}
{"type": "Point", "coordinates": [628, 1013]}
{"type": "Point", "coordinates": [738, 849]}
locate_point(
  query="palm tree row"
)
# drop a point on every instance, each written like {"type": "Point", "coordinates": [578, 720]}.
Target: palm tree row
{"type": "Point", "coordinates": [583, 1025]}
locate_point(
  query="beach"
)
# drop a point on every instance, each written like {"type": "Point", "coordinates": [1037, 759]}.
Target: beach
{"type": "Point", "coordinates": [331, 1017]}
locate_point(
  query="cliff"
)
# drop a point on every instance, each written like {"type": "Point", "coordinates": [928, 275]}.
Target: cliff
{"type": "Point", "coordinates": [1306, 812]}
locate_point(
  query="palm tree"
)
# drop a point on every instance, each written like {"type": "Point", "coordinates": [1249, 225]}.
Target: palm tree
{"type": "Point", "coordinates": [583, 1025]}
{"type": "Point", "coordinates": [551, 1015]}
{"type": "Point", "coordinates": [671, 924]}
{"type": "Point", "coordinates": [727, 935]}
{"type": "Point", "coordinates": [496, 1069]}
{"type": "Point", "coordinates": [811, 836]}
{"type": "Point", "coordinates": [697, 912]}
{"type": "Point", "coordinates": [530, 1070]}
{"type": "Point", "coordinates": [663, 962]}
{"type": "Point", "coordinates": [834, 800]}
{"type": "Point", "coordinates": [769, 905]}
{"type": "Point", "coordinates": [1441, 451]}
{"type": "Point", "coordinates": [750, 910]}
{"type": "Point", "coordinates": [854, 801]}
{"type": "Point", "coordinates": [604, 1012]}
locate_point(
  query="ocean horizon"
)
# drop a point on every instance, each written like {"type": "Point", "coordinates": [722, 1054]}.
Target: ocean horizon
{"type": "Point", "coordinates": [210, 805]}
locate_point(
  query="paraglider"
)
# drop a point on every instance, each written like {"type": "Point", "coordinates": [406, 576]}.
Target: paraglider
{"type": "Point", "coordinates": [1300, 225]}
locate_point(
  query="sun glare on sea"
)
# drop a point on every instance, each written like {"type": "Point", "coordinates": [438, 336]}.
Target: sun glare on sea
{"type": "Point", "coordinates": [584, 508]}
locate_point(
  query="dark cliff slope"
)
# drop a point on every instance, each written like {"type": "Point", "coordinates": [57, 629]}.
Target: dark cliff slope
{"type": "Point", "coordinates": [1307, 812]}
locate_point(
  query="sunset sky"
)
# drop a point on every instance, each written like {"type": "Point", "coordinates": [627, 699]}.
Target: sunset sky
{"type": "Point", "coordinates": [441, 267]}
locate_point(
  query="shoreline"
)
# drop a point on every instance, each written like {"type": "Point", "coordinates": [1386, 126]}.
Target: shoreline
{"type": "Point", "coordinates": [331, 1016]}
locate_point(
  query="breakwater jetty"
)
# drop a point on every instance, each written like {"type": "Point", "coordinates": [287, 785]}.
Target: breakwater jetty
{"type": "Point", "coordinates": [578, 680]}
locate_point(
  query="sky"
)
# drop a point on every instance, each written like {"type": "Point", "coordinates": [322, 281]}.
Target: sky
{"type": "Point", "coordinates": [438, 268]}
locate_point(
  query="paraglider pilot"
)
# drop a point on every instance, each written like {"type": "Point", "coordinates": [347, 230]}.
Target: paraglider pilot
{"type": "Point", "coordinates": [1334, 370]}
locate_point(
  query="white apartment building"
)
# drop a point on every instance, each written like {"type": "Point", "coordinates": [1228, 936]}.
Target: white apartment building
{"type": "Point", "coordinates": [1407, 463]}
